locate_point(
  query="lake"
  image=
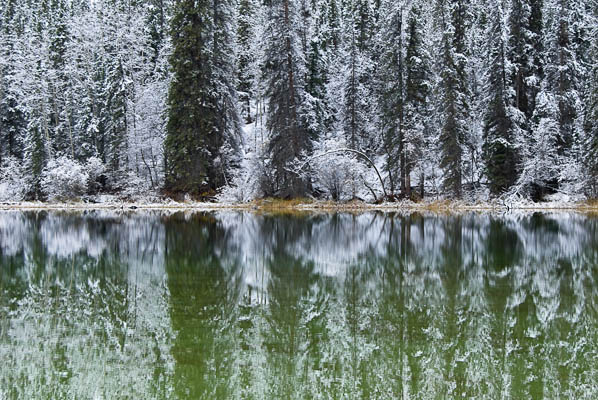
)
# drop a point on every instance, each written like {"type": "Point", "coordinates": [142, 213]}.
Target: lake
{"type": "Point", "coordinates": [235, 305]}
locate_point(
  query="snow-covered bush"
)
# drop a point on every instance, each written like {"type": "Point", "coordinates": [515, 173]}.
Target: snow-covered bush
{"type": "Point", "coordinates": [135, 187]}
{"type": "Point", "coordinates": [342, 175]}
{"type": "Point", "coordinates": [246, 182]}
{"type": "Point", "coordinates": [64, 178]}
{"type": "Point", "coordinates": [96, 178]}
{"type": "Point", "coordinates": [13, 185]}
{"type": "Point", "coordinates": [95, 167]}
{"type": "Point", "coordinates": [335, 172]}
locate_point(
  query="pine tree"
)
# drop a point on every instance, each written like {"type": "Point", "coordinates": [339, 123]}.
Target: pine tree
{"type": "Point", "coordinates": [320, 120]}
{"type": "Point", "coordinates": [57, 79]}
{"type": "Point", "coordinates": [157, 26]}
{"type": "Point", "coordinates": [453, 93]}
{"type": "Point", "coordinates": [417, 94]}
{"type": "Point", "coordinates": [284, 63]}
{"type": "Point", "coordinates": [392, 96]}
{"type": "Point", "coordinates": [559, 88]}
{"type": "Point", "coordinates": [561, 74]}
{"type": "Point", "coordinates": [540, 164]}
{"type": "Point", "coordinates": [499, 141]}
{"type": "Point", "coordinates": [12, 118]}
{"type": "Point", "coordinates": [524, 52]}
{"type": "Point", "coordinates": [357, 108]}
{"type": "Point", "coordinates": [245, 56]}
{"type": "Point", "coordinates": [591, 114]}
{"type": "Point", "coordinates": [117, 98]}
{"type": "Point", "coordinates": [224, 85]}
{"type": "Point", "coordinates": [201, 104]}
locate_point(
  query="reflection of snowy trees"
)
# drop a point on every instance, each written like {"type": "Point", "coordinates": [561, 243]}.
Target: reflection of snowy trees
{"type": "Point", "coordinates": [82, 307]}
{"type": "Point", "coordinates": [233, 305]}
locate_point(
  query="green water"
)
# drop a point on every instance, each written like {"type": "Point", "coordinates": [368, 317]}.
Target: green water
{"type": "Point", "coordinates": [227, 305]}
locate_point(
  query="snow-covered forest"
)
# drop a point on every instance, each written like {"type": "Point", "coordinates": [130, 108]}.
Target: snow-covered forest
{"type": "Point", "coordinates": [339, 99]}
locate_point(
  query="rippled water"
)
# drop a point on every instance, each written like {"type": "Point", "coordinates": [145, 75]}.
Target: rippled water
{"type": "Point", "coordinates": [234, 305]}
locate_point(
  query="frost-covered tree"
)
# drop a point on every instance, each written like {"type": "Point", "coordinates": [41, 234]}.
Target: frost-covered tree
{"type": "Point", "coordinates": [12, 119]}
{"type": "Point", "coordinates": [417, 96]}
{"type": "Point", "coordinates": [203, 125]}
{"type": "Point", "coordinates": [453, 104]}
{"type": "Point", "coordinates": [540, 157]}
{"type": "Point", "coordinates": [524, 53]}
{"type": "Point", "coordinates": [392, 94]}
{"type": "Point", "coordinates": [245, 55]}
{"type": "Point", "coordinates": [591, 115]}
{"type": "Point", "coordinates": [285, 89]}
{"type": "Point", "coordinates": [358, 94]}
{"type": "Point", "coordinates": [500, 125]}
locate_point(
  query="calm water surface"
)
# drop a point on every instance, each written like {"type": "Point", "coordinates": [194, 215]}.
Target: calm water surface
{"type": "Point", "coordinates": [227, 305]}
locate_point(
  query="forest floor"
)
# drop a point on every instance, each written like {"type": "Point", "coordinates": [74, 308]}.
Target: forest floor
{"type": "Point", "coordinates": [306, 205]}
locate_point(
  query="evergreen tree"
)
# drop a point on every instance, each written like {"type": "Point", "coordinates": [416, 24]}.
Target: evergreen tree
{"type": "Point", "coordinates": [453, 92]}
{"type": "Point", "coordinates": [499, 128]}
{"type": "Point", "coordinates": [357, 108]}
{"type": "Point", "coordinates": [417, 96]}
{"type": "Point", "coordinates": [202, 114]}
{"type": "Point", "coordinates": [561, 73]}
{"type": "Point", "coordinates": [157, 26]}
{"type": "Point", "coordinates": [284, 63]}
{"type": "Point", "coordinates": [224, 85]}
{"type": "Point", "coordinates": [392, 96]}
{"type": "Point", "coordinates": [12, 118]}
{"type": "Point", "coordinates": [559, 126]}
{"type": "Point", "coordinates": [524, 53]}
{"type": "Point", "coordinates": [591, 114]}
{"type": "Point", "coordinates": [320, 120]}
{"type": "Point", "coordinates": [245, 56]}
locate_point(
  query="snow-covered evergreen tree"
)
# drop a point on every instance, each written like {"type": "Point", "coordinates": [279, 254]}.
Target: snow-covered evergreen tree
{"type": "Point", "coordinates": [284, 74]}
{"type": "Point", "coordinates": [500, 125]}
{"type": "Point", "coordinates": [203, 125]}
{"type": "Point", "coordinates": [451, 20]}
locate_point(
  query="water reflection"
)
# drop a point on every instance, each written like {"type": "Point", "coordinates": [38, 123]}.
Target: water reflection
{"type": "Point", "coordinates": [235, 305]}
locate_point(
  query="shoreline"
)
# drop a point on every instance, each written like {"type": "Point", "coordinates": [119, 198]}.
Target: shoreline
{"type": "Point", "coordinates": [282, 206]}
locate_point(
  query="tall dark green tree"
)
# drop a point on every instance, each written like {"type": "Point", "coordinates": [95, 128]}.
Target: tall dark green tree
{"type": "Point", "coordinates": [245, 56]}
{"type": "Point", "coordinates": [454, 97]}
{"type": "Point", "coordinates": [591, 118]}
{"type": "Point", "coordinates": [203, 126]}
{"type": "Point", "coordinates": [524, 52]}
{"type": "Point", "coordinates": [499, 148]}
{"type": "Point", "coordinates": [320, 121]}
{"type": "Point", "coordinates": [290, 140]}
{"type": "Point", "coordinates": [562, 72]}
{"type": "Point", "coordinates": [417, 94]}
{"type": "Point", "coordinates": [12, 118]}
{"type": "Point", "coordinates": [392, 96]}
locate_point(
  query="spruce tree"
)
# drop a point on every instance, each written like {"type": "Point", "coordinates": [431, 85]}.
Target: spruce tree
{"type": "Point", "coordinates": [562, 75]}
{"type": "Point", "coordinates": [13, 123]}
{"type": "Point", "coordinates": [245, 56]}
{"type": "Point", "coordinates": [590, 124]}
{"type": "Point", "coordinates": [202, 119]}
{"type": "Point", "coordinates": [417, 96]}
{"type": "Point", "coordinates": [392, 96]}
{"type": "Point", "coordinates": [320, 120]}
{"type": "Point", "coordinates": [289, 137]}
{"type": "Point", "coordinates": [453, 92]}
{"type": "Point", "coordinates": [499, 143]}
{"type": "Point", "coordinates": [357, 109]}
{"type": "Point", "coordinates": [524, 53]}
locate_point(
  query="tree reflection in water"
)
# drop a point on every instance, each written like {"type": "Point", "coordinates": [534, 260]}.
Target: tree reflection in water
{"type": "Point", "coordinates": [237, 305]}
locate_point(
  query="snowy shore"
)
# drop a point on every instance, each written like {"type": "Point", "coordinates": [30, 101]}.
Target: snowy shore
{"type": "Point", "coordinates": [307, 205]}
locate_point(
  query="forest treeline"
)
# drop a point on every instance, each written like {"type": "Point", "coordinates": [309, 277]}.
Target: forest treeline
{"type": "Point", "coordinates": [286, 98]}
